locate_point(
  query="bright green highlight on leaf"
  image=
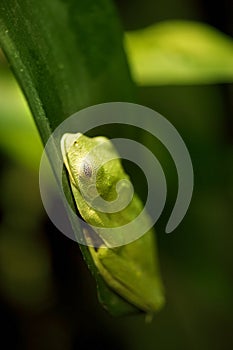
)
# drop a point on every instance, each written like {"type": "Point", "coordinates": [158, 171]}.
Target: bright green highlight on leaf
{"type": "Point", "coordinates": [19, 137]}
{"type": "Point", "coordinates": [130, 270]}
{"type": "Point", "coordinates": [179, 52]}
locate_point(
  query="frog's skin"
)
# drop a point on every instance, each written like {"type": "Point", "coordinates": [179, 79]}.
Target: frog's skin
{"type": "Point", "coordinates": [131, 270]}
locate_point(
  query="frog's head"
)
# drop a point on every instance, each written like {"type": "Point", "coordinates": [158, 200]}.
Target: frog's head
{"type": "Point", "coordinates": [92, 163]}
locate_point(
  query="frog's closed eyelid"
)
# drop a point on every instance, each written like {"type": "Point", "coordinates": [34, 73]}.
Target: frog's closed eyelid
{"type": "Point", "coordinates": [87, 169]}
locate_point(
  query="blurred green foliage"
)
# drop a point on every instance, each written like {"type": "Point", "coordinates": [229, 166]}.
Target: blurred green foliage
{"type": "Point", "coordinates": [179, 52]}
{"type": "Point", "coordinates": [17, 129]}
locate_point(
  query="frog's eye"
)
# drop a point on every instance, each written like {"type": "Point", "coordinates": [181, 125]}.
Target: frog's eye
{"type": "Point", "coordinates": [87, 169]}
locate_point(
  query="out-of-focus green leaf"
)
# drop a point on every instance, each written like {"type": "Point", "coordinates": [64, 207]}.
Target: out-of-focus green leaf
{"type": "Point", "coordinates": [19, 137]}
{"type": "Point", "coordinates": [67, 55]}
{"type": "Point", "coordinates": [179, 52]}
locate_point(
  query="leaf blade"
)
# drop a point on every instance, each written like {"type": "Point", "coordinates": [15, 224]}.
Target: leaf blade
{"type": "Point", "coordinates": [179, 52]}
{"type": "Point", "coordinates": [58, 75]}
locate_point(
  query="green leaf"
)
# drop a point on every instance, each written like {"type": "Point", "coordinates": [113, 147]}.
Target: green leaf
{"type": "Point", "coordinates": [19, 138]}
{"type": "Point", "coordinates": [64, 54]}
{"type": "Point", "coordinates": [179, 52]}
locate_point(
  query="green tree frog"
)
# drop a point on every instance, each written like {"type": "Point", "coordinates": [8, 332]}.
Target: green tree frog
{"type": "Point", "coordinates": [130, 270]}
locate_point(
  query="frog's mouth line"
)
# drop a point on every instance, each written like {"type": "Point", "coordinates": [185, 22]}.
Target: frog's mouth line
{"type": "Point", "coordinates": [92, 238]}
